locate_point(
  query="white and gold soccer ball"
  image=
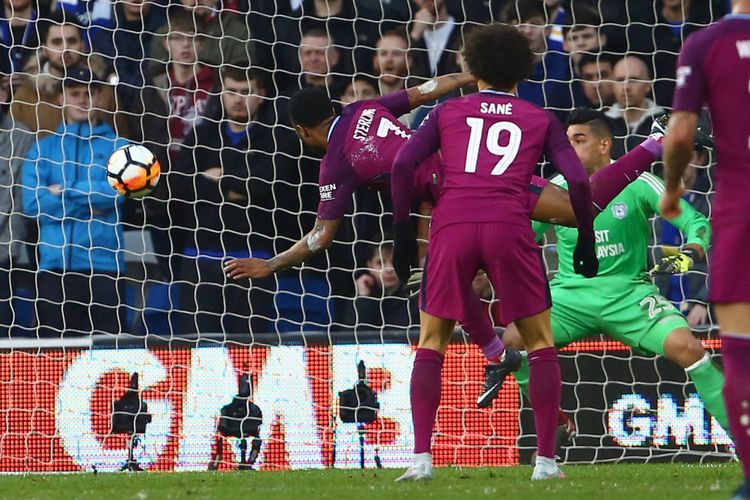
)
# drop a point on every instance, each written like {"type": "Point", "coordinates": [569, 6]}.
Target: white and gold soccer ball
{"type": "Point", "coordinates": [133, 171]}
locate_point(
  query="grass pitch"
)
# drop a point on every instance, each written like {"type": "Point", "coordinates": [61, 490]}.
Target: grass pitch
{"type": "Point", "coordinates": [639, 481]}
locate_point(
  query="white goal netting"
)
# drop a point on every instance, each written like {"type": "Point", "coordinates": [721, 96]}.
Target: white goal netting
{"type": "Point", "coordinates": [94, 288]}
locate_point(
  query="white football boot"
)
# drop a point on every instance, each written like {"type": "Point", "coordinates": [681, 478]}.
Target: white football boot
{"type": "Point", "coordinates": [546, 468]}
{"type": "Point", "coordinates": [420, 469]}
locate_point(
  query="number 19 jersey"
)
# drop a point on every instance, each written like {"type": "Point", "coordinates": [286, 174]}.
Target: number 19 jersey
{"type": "Point", "coordinates": [490, 144]}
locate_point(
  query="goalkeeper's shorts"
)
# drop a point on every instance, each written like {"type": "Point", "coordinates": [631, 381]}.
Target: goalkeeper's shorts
{"type": "Point", "coordinates": [729, 277]}
{"type": "Point", "coordinates": [636, 314]}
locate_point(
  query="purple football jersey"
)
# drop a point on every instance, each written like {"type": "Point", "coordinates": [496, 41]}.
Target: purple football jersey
{"type": "Point", "coordinates": [490, 144]}
{"type": "Point", "coordinates": [714, 68]}
{"type": "Point", "coordinates": [362, 144]}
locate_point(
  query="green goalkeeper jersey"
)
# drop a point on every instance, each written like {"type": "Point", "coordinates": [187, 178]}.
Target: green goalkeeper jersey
{"type": "Point", "coordinates": [623, 231]}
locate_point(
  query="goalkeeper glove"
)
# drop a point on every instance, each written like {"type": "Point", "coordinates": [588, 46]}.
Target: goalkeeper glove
{"type": "Point", "coordinates": [405, 249]}
{"type": "Point", "coordinates": [659, 127]}
{"type": "Point", "coordinates": [585, 261]}
{"type": "Point", "coordinates": [702, 142]}
{"type": "Point", "coordinates": [675, 261]}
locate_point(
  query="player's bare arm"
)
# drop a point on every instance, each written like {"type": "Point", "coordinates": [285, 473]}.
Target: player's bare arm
{"type": "Point", "coordinates": [318, 239]}
{"type": "Point", "coordinates": [678, 149]}
{"type": "Point", "coordinates": [436, 88]}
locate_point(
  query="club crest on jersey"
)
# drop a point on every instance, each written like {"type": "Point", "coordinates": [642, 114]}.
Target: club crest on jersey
{"type": "Point", "coordinates": [620, 210]}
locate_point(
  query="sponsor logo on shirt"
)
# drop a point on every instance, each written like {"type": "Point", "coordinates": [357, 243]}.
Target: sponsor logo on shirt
{"type": "Point", "coordinates": [682, 73]}
{"type": "Point", "coordinates": [327, 191]}
{"type": "Point", "coordinates": [620, 210]}
{"type": "Point", "coordinates": [608, 249]}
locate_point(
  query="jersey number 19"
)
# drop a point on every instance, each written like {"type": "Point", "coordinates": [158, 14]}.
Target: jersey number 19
{"type": "Point", "coordinates": [506, 153]}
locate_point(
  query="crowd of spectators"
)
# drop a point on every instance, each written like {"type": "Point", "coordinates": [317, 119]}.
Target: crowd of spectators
{"type": "Point", "coordinates": [204, 84]}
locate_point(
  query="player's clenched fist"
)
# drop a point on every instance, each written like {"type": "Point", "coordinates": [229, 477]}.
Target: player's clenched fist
{"type": "Point", "coordinates": [585, 262]}
{"type": "Point", "coordinates": [247, 268]}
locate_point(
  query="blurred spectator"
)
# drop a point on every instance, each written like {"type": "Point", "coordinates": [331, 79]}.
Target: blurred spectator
{"type": "Point", "coordinates": [582, 33]}
{"type": "Point", "coordinates": [391, 61]}
{"type": "Point", "coordinates": [687, 16]}
{"type": "Point", "coordinates": [379, 302]}
{"type": "Point", "coordinates": [434, 34]}
{"type": "Point", "coordinates": [228, 40]}
{"type": "Point", "coordinates": [66, 190]}
{"type": "Point", "coordinates": [36, 91]}
{"type": "Point", "coordinates": [633, 112]}
{"type": "Point", "coordinates": [125, 44]}
{"type": "Point", "coordinates": [186, 84]}
{"type": "Point", "coordinates": [352, 30]}
{"type": "Point", "coordinates": [655, 31]}
{"type": "Point", "coordinates": [15, 141]}
{"type": "Point", "coordinates": [551, 84]}
{"type": "Point", "coordinates": [87, 12]}
{"type": "Point", "coordinates": [556, 15]}
{"type": "Point", "coordinates": [318, 58]}
{"type": "Point", "coordinates": [358, 89]}
{"type": "Point", "coordinates": [18, 34]}
{"type": "Point", "coordinates": [596, 79]}
{"type": "Point", "coordinates": [225, 180]}
{"type": "Point", "coordinates": [689, 292]}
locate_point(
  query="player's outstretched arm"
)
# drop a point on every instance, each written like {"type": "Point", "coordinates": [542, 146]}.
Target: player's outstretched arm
{"type": "Point", "coordinates": [423, 143]}
{"type": "Point", "coordinates": [317, 240]}
{"type": "Point", "coordinates": [436, 88]}
{"type": "Point", "coordinates": [564, 158]}
{"type": "Point", "coordinates": [678, 149]}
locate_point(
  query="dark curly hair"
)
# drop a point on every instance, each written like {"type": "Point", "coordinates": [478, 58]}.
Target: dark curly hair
{"type": "Point", "coordinates": [499, 55]}
{"type": "Point", "coordinates": [310, 107]}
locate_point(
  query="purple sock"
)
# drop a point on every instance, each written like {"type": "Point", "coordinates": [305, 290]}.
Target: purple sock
{"type": "Point", "coordinates": [736, 355]}
{"type": "Point", "coordinates": [479, 327]}
{"type": "Point", "coordinates": [425, 396]}
{"type": "Point", "coordinates": [544, 393]}
{"type": "Point", "coordinates": [608, 182]}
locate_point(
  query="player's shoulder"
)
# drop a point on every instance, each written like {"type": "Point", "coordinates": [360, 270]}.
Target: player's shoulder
{"type": "Point", "coordinates": [649, 182]}
{"type": "Point", "coordinates": [704, 39]}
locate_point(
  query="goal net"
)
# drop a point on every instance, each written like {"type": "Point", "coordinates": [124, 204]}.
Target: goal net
{"type": "Point", "coordinates": [124, 345]}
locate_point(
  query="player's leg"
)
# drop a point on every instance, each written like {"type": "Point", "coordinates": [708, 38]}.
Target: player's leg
{"type": "Point", "coordinates": [515, 268]}
{"type": "Point", "coordinates": [500, 360]}
{"type": "Point", "coordinates": [425, 390]}
{"type": "Point", "coordinates": [681, 347]}
{"type": "Point", "coordinates": [552, 204]}
{"type": "Point", "coordinates": [544, 389]}
{"type": "Point", "coordinates": [734, 320]}
{"type": "Point", "coordinates": [450, 268]}
{"type": "Point", "coordinates": [730, 294]}
{"type": "Point", "coordinates": [641, 318]}
{"type": "Point", "coordinates": [426, 385]}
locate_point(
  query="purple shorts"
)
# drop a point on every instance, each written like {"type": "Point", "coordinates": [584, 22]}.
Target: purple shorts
{"type": "Point", "coordinates": [506, 252]}
{"type": "Point", "coordinates": [729, 282]}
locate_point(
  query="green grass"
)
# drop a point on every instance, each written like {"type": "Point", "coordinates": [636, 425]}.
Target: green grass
{"type": "Point", "coordinates": [639, 482]}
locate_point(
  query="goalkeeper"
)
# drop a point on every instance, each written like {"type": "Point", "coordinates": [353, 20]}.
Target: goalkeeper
{"type": "Point", "coordinates": [621, 300]}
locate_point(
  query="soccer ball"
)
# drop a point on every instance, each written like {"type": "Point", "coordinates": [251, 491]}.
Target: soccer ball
{"type": "Point", "coordinates": [133, 171]}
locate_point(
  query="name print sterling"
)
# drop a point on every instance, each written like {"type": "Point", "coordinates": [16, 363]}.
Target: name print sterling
{"type": "Point", "coordinates": [363, 124]}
